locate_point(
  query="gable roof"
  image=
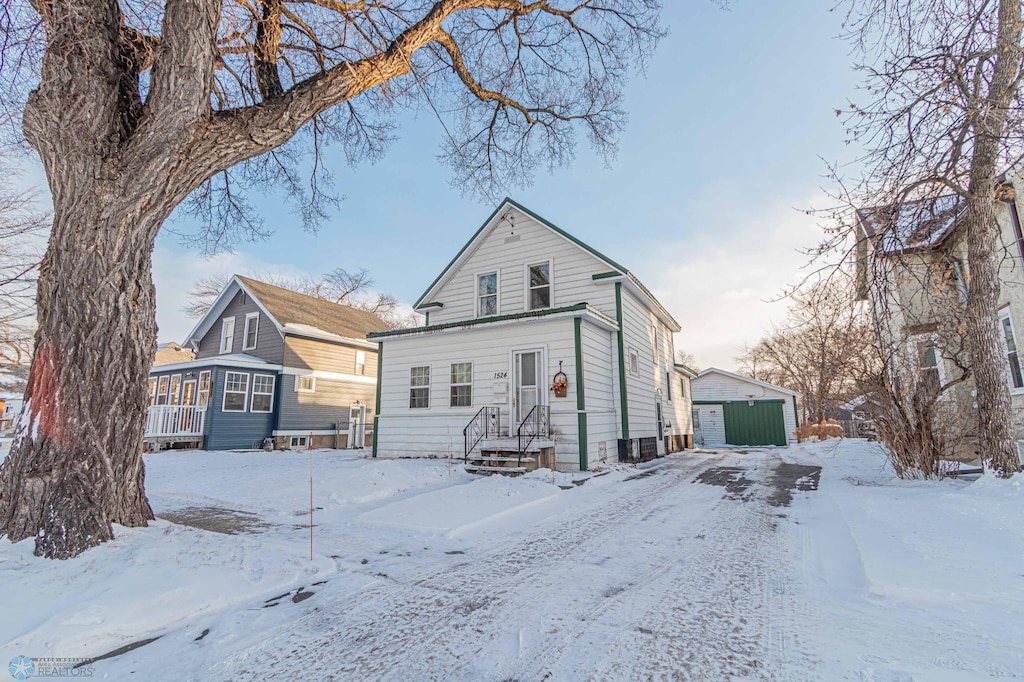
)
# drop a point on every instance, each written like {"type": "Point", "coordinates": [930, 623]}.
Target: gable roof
{"type": "Point", "coordinates": [474, 242]}
{"type": "Point", "coordinates": [762, 384]}
{"type": "Point", "coordinates": [914, 225]}
{"type": "Point", "coordinates": [294, 313]}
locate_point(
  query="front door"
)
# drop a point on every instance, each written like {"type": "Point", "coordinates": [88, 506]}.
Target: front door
{"type": "Point", "coordinates": [188, 392]}
{"type": "Point", "coordinates": [526, 377]}
{"type": "Point", "coordinates": [357, 426]}
{"type": "Point", "coordinates": [660, 417]}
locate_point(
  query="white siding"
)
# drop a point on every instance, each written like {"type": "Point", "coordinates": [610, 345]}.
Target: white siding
{"type": "Point", "coordinates": [639, 331]}
{"type": "Point", "coordinates": [601, 388]}
{"type": "Point", "coordinates": [406, 432]}
{"type": "Point", "coordinates": [712, 425]}
{"type": "Point", "coordinates": [715, 386]}
{"type": "Point", "coordinates": [571, 272]}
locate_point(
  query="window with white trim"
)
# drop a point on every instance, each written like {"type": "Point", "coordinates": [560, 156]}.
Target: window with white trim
{"type": "Point", "coordinates": [539, 286]}
{"type": "Point", "coordinates": [298, 441]}
{"type": "Point", "coordinates": [161, 391]}
{"type": "Point", "coordinates": [227, 334]}
{"type": "Point", "coordinates": [683, 386]}
{"type": "Point", "coordinates": [175, 391]}
{"type": "Point", "coordinates": [262, 393]}
{"type": "Point", "coordinates": [203, 394]}
{"type": "Point", "coordinates": [656, 340]}
{"type": "Point", "coordinates": [236, 391]}
{"type": "Point", "coordinates": [461, 385]}
{"type": "Point", "coordinates": [360, 362]}
{"type": "Point", "coordinates": [305, 383]}
{"type": "Point", "coordinates": [487, 294]}
{"type": "Point", "coordinates": [634, 363]}
{"type": "Point", "coordinates": [1015, 376]}
{"type": "Point", "coordinates": [152, 392]}
{"type": "Point", "coordinates": [252, 326]}
{"type": "Point", "coordinates": [668, 386]}
{"type": "Point", "coordinates": [419, 387]}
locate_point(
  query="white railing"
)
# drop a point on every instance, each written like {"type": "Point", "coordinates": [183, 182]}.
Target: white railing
{"type": "Point", "coordinates": [175, 420]}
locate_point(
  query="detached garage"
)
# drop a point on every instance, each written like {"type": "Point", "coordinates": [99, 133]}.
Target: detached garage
{"type": "Point", "coordinates": [731, 409]}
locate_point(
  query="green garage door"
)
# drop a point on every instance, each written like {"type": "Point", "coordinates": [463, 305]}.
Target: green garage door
{"type": "Point", "coordinates": [762, 423]}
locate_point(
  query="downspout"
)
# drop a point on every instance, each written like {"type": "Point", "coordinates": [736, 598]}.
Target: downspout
{"type": "Point", "coordinates": [376, 409]}
{"type": "Point", "coordinates": [622, 363]}
{"type": "Point", "coordinates": [581, 403]}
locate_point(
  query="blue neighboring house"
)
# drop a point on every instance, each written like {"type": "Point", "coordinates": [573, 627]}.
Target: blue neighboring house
{"type": "Point", "coordinates": [271, 367]}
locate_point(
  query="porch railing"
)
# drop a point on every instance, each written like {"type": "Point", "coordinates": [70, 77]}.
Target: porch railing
{"type": "Point", "coordinates": [537, 424]}
{"type": "Point", "coordinates": [164, 421]}
{"type": "Point", "coordinates": [485, 424]}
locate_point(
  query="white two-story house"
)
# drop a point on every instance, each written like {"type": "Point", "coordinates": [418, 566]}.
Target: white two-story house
{"type": "Point", "coordinates": [532, 336]}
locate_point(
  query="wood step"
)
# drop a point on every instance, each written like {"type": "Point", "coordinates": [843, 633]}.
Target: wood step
{"type": "Point", "coordinates": [473, 468]}
{"type": "Point", "coordinates": [500, 458]}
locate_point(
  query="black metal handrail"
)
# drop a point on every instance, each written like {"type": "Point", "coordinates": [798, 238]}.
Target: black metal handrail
{"type": "Point", "coordinates": [537, 423]}
{"type": "Point", "coordinates": [486, 422]}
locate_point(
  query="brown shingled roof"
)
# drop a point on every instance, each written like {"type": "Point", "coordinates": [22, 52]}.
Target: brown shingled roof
{"type": "Point", "coordinates": [290, 307]}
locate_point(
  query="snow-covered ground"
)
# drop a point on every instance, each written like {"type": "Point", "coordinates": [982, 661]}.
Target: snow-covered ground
{"type": "Point", "coordinates": [704, 565]}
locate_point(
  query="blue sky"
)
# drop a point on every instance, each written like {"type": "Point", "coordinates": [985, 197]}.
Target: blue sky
{"type": "Point", "coordinates": [722, 148]}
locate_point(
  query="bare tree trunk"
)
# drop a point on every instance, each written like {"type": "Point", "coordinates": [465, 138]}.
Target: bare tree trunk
{"type": "Point", "coordinates": [76, 465]}
{"type": "Point", "coordinates": [997, 440]}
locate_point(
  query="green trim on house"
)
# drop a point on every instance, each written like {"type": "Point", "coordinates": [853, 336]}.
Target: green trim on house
{"type": "Point", "coordinates": [376, 409]}
{"type": "Point", "coordinates": [722, 402]}
{"type": "Point", "coordinates": [435, 304]}
{"type": "Point", "coordinates": [479, 320]}
{"type": "Point", "coordinates": [542, 221]}
{"type": "Point", "coordinates": [796, 413]}
{"type": "Point", "coordinates": [581, 400]}
{"type": "Point", "coordinates": [622, 363]}
{"type": "Point", "coordinates": [606, 275]}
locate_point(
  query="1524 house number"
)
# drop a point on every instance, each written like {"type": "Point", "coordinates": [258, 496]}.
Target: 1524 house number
{"type": "Point", "coordinates": [501, 375]}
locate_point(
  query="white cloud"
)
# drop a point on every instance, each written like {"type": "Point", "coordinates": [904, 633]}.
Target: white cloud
{"type": "Point", "coordinates": [718, 283]}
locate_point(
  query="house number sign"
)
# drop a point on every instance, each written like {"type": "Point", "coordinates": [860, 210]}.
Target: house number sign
{"type": "Point", "coordinates": [501, 375]}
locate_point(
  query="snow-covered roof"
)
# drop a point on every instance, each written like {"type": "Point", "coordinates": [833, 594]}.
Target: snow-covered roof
{"type": "Point", "coordinates": [914, 225]}
{"type": "Point", "coordinates": [317, 333]}
{"type": "Point", "coordinates": [762, 384]}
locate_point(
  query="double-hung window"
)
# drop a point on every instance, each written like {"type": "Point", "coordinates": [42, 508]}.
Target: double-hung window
{"type": "Point", "coordinates": [487, 294]}
{"type": "Point", "coordinates": [928, 373]}
{"type": "Point", "coordinates": [360, 362]}
{"type": "Point", "coordinates": [161, 391]}
{"type": "Point", "coordinates": [152, 391]}
{"type": "Point", "coordinates": [462, 385]}
{"type": "Point", "coordinates": [539, 286]}
{"type": "Point", "coordinates": [175, 391]}
{"type": "Point", "coordinates": [1010, 348]}
{"type": "Point", "coordinates": [668, 386]}
{"type": "Point", "coordinates": [262, 393]}
{"type": "Point", "coordinates": [236, 389]}
{"type": "Point", "coordinates": [419, 387]}
{"type": "Point", "coordinates": [204, 388]}
{"type": "Point", "coordinates": [252, 325]}
{"type": "Point", "coordinates": [634, 363]}
{"type": "Point", "coordinates": [305, 383]}
{"type": "Point", "coordinates": [227, 334]}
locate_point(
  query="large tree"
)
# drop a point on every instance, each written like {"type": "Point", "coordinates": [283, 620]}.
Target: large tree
{"type": "Point", "coordinates": [140, 104]}
{"type": "Point", "coordinates": [820, 349]}
{"type": "Point", "coordinates": [941, 114]}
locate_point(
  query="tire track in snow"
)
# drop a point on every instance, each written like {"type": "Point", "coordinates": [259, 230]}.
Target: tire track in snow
{"type": "Point", "coordinates": [429, 628]}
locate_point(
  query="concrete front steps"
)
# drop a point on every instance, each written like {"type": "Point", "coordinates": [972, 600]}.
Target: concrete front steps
{"type": "Point", "coordinates": [501, 456]}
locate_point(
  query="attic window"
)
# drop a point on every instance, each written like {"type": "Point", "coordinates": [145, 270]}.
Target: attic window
{"type": "Point", "coordinates": [227, 334]}
{"type": "Point", "coordinates": [539, 285]}
{"type": "Point", "coordinates": [252, 325]}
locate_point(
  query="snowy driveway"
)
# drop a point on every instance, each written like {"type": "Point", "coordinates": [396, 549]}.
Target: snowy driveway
{"type": "Point", "coordinates": [668, 579]}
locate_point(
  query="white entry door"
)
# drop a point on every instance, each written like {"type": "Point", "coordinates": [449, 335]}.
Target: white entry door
{"type": "Point", "coordinates": [357, 426]}
{"type": "Point", "coordinates": [527, 390]}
